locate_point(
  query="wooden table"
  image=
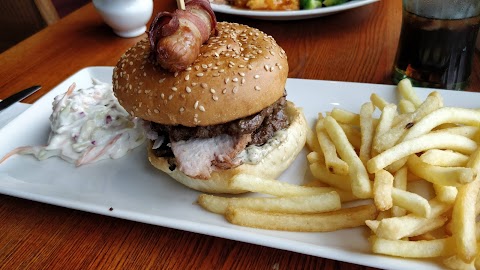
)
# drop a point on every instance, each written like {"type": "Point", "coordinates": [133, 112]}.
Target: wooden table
{"type": "Point", "coordinates": [357, 45]}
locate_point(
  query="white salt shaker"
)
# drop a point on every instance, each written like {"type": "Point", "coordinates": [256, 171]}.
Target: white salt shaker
{"type": "Point", "coordinates": [127, 18]}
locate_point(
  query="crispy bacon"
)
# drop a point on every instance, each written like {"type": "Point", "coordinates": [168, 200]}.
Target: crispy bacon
{"type": "Point", "coordinates": [175, 38]}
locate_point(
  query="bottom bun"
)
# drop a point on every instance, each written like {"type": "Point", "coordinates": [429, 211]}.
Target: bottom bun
{"type": "Point", "coordinates": [271, 166]}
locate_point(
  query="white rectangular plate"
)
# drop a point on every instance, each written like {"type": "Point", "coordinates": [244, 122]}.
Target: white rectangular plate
{"type": "Point", "coordinates": [138, 192]}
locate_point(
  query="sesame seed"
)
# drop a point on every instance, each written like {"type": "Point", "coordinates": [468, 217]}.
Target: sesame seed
{"type": "Point", "coordinates": [161, 80]}
{"type": "Point", "coordinates": [174, 89]}
{"type": "Point", "coordinates": [200, 74]}
{"type": "Point", "coordinates": [215, 98]}
{"type": "Point", "coordinates": [256, 76]}
{"type": "Point", "coordinates": [241, 74]}
{"type": "Point", "coordinates": [187, 77]}
{"type": "Point", "coordinates": [195, 105]}
{"type": "Point", "coordinates": [224, 91]}
{"type": "Point", "coordinates": [257, 88]}
{"type": "Point", "coordinates": [170, 97]}
{"type": "Point", "coordinates": [189, 68]}
{"type": "Point", "coordinates": [235, 89]}
{"type": "Point", "coordinates": [204, 85]}
{"type": "Point", "coordinates": [212, 90]}
{"type": "Point", "coordinates": [175, 74]}
{"type": "Point", "coordinates": [188, 89]}
{"type": "Point", "coordinates": [156, 111]}
{"type": "Point", "coordinates": [227, 80]}
{"type": "Point", "coordinates": [243, 81]}
{"type": "Point", "coordinates": [267, 67]}
{"type": "Point", "coordinates": [201, 108]}
{"type": "Point", "coordinates": [182, 109]}
{"type": "Point", "coordinates": [235, 79]}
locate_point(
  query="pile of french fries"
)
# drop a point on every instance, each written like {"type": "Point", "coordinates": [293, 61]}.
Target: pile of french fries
{"type": "Point", "coordinates": [368, 168]}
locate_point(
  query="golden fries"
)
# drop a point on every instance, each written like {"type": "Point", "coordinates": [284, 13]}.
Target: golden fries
{"type": "Point", "coordinates": [361, 185]}
{"type": "Point", "coordinates": [419, 144]}
{"type": "Point", "coordinates": [300, 204]}
{"type": "Point", "coordinates": [414, 171]}
{"type": "Point", "coordinates": [414, 249]}
{"type": "Point", "coordinates": [382, 190]}
{"type": "Point", "coordinates": [322, 222]}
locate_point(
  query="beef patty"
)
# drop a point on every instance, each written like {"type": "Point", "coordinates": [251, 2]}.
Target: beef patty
{"type": "Point", "coordinates": [261, 126]}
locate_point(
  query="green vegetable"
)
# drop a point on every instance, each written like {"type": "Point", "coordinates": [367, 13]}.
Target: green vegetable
{"type": "Point", "coordinates": [310, 4]}
{"type": "Point", "coordinates": [328, 3]}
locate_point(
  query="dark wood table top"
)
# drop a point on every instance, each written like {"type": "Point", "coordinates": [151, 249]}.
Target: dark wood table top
{"type": "Point", "coordinates": [358, 45]}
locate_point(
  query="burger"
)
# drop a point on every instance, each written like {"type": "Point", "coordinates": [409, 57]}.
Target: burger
{"type": "Point", "coordinates": [223, 115]}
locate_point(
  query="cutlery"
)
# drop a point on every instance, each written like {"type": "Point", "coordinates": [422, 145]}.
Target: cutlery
{"type": "Point", "coordinates": [18, 96]}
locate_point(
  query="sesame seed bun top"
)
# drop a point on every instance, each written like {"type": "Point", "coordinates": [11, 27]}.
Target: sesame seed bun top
{"type": "Point", "coordinates": [239, 72]}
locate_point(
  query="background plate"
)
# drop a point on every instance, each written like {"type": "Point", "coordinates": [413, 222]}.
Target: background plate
{"type": "Point", "coordinates": [136, 191]}
{"type": "Point", "coordinates": [290, 14]}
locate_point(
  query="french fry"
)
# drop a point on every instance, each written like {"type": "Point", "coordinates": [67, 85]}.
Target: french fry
{"type": "Point", "coordinates": [411, 202]}
{"type": "Point", "coordinates": [353, 134]}
{"type": "Point", "coordinates": [454, 262]}
{"type": "Point", "coordinates": [273, 187]}
{"type": "Point", "coordinates": [442, 116]}
{"type": "Point", "coordinates": [301, 204]}
{"type": "Point", "coordinates": [312, 141]}
{"type": "Point", "coordinates": [367, 130]}
{"type": "Point", "coordinates": [463, 215]}
{"type": "Point", "coordinates": [321, 222]}
{"type": "Point", "coordinates": [406, 106]}
{"type": "Point", "coordinates": [466, 131]}
{"type": "Point", "coordinates": [315, 157]}
{"type": "Point", "coordinates": [378, 101]}
{"type": "Point", "coordinates": [399, 128]}
{"type": "Point", "coordinates": [400, 182]}
{"type": "Point", "coordinates": [419, 144]}
{"type": "Point", "coordinates": [446, 194]}
{"type": "Point", "coordinates": [445, 176]}
{"type": "Point", "coordinates": [360, 182]}
{"type": "Point", "coordinates": [382, 190]}
{"type": "Point", "coordinates": [345, 117]}
{"type": "Point", "coordinates": [320, 172]}
{"type": "Point", "coordinates": [373, 224]}
{"type": "Point", "coordinates": [414, 249]}
{"type": "Point", "coordinates": [406, 90]}
{"type": "Point", "coordinates": [384, 124]}
{"type": "Point", "coordinates": [334, 164]}
{"type": "Point", "coordinates": [444, 158]}
{"type": "Point", "coordinates": [397, 228]}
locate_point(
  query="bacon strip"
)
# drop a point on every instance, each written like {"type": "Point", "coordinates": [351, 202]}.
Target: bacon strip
{"type": "Point", "coordinates": [199, 157]}
{"type": "Point", "coordinates": [175, 38]}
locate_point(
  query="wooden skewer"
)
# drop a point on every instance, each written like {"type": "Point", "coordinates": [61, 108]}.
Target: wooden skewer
{"type": "Point", "coordinates": [181, 4]}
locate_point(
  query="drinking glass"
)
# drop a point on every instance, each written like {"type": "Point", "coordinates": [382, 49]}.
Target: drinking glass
{"type": "Point", "coordinates": [437, 42]}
